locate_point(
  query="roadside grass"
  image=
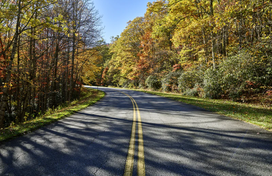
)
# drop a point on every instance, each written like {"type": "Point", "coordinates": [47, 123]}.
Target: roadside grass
{"type": "Point", "coordinates": [254, 114]}
{"type": "Point", "coordinates": [89, 97]}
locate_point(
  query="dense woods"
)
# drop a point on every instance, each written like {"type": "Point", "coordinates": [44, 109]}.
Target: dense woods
{"type": "Point", "coordinates": [45, 55]}
{"type": "Point", "coordinates": [205, 48]}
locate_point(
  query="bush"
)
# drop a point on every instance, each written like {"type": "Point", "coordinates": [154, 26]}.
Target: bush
{"type": "Point", "coordinates": [153, 83]}
{"type": "Point", "coordinates": [196, 91]}
{"type": "Point", "coordinates": [123, 82]}
{"type": "Point", "coordinates": [191, 92]}
{"type": "Point", "coordinates": [141, 86]}
{"type": "Point", "coordinates": [170, 81]}
{"type": "Point", "coordinates": [189, 79]}
{"type": "Point", "coordinates": [237, 75]}
{"type": "Point", "coordinates": [212, 83]}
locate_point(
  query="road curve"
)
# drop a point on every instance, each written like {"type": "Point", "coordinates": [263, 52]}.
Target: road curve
{"type": "Point", "coordinates": [177, 139]}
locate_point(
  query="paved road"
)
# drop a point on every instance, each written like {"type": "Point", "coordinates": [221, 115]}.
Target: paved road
{"type": "Point", "coordinates": [178, 139]}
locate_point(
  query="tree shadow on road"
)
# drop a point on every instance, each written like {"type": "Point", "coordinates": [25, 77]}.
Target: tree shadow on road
{"type": "Point", "coordinates": [95, 142]}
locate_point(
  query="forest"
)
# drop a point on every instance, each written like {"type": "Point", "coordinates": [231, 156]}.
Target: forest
{"type": "Point", "coordinates": [46, 53]}
{"type": "Point", "coordinates": [220, 49]}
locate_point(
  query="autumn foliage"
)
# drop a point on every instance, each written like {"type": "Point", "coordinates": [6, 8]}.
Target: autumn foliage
{"type": "Point", "coordinates": [207, 48]}
{"type": "Point", "coordinates": [45, 55]}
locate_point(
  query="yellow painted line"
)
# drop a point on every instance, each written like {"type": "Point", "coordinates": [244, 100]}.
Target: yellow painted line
{"type": "Point", "coordinates": [130, 157]}
{"type": "Point", "coordinates": [141, 161]}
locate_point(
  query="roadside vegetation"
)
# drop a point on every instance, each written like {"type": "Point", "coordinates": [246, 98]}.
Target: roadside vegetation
{"type": "Point", "coordinates": [207, 49]}
{"type": "Point", "coordinates": [88, 97]}
{"type": "Point", "coordinates": [213, 54]}
{"type": "Point", "coordinates": [45, 55]}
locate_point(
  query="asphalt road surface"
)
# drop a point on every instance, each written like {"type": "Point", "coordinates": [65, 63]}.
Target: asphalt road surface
{"type": "Point", "coordinates": [132, 133]}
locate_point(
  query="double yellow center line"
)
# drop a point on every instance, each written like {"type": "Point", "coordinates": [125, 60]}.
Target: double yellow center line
{"type": "Point", "coordinates": [130, 156]}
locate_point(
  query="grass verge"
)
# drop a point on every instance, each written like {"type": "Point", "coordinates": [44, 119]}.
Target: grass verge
{"type": "Point", "coordinates": [90, 96]}
{"type": "Point", "coordinates": [254, 114]}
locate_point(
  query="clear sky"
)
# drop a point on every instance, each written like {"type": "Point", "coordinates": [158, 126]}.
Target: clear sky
{"type": "Point", "coordinates": [116, 13]}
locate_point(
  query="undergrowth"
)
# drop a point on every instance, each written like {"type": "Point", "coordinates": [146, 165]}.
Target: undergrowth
{"type": "Point", "coordinates": [89, 97]}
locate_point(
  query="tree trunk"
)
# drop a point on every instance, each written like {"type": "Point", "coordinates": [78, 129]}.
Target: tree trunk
{"type": "Point", "coordinates": [213, 50]}
{"type": "Point", "coordinates": [4, 102]}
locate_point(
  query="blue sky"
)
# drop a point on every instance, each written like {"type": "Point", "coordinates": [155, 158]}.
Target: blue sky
{"type": "Point", "coordinates": [116, 13]}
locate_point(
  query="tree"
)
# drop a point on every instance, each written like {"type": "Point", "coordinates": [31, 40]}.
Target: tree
{"type": "Point", "coordinates": [125, 50]}
{"type": "Point", "coordinates": [43, 49]}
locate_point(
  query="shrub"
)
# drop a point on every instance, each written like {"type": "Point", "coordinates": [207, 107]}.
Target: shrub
{"type": "Point", "coordinates": [123, 82]}
{"type": "Point", "coordinates": [170, 81]}
{"type": "Point", "coordinates": [191, 92]}
{"type": "Point", "coordinates": [189, 79]}
{"type": "Point", "coordinates": [237, 75]}
{"type": "Point", "coordinates": [212, 83]}
{"type": "Point", "coordinates": [141, 86]}
{"type": "Point", "coordinates": [153, 83]}
{"type": "Point", "coordinates": [196, 91]}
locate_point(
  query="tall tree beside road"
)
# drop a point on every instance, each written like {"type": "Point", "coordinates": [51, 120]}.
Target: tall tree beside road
{"type": "Point", "coordinates": [41, 49]}
{"type": "Point", "coordinates": [189, 47]}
